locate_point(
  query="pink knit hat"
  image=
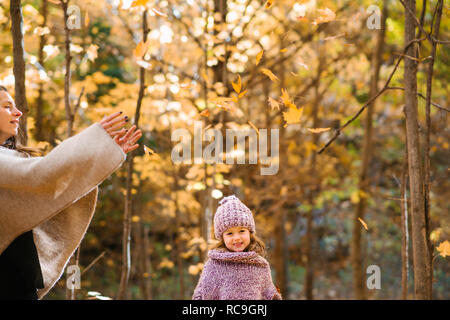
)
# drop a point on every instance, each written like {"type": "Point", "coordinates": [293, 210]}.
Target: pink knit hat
{"type": "Point", "coordinates": [232, 213]}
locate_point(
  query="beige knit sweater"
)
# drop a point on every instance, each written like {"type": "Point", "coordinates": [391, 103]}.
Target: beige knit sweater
{"type": "Point", "coordinates": [55, 196]}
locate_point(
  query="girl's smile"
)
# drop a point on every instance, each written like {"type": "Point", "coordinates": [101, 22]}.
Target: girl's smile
{"type": "Point", "coordinates": [236, 238]}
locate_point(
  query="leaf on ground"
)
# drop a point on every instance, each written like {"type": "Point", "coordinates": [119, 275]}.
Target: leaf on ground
{"type": "Point", "coordinates": [269, 73]}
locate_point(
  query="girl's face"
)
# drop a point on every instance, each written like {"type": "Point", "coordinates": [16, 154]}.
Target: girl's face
{"type": "Point", "coordinates": [9, 117]}
{"type": "Point", "coordinates": [236, 238]}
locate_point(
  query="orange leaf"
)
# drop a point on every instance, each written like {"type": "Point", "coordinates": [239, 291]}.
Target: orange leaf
{"type": "Point", "coordinates": [269, 4]}
{"type": "Point", "coordinates": [242, 94]}
{"type": "Point", "coordinates": [237, 86]}
{"type": "Point", "coordinates": [205, 113]}
{"type": "Point", "coordinates": [141, 49]}
{"type": "Point", "coordinates": [137, 3]}
{"type": "Point", "coordinates": [318, 130]}
{"type": "Point", "coordinates": [269, 73]}
{"type": "Point", "coordinates": [283, 50]}
{"type": "Point", "coordinates": [259, 56]}
{"type": "Point", "coordinates": [363, 223]}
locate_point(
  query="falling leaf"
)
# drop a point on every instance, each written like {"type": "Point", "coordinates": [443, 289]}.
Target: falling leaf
{"type": "Point", "coordinates": [141, 49]}
{"type": "Point", "coordinates": [283, 50]}
{"type": "Point", "coordinates": [205, 113]}
{"type": "Point", "coordinates": [318, 130]}
{"type": "Point", "coordinates": [237, 86]}
{"type": "Point", "coordinates": [363, 223]}
{"type": "Point", "coordinates": [254, 127]}
{"type": "Point", "coordinates": [274, 103]}
{"type": "Point", "coordinates": [444, 248]}
{"type": "Point", "coordinates": [326, 15]}
{"type": "Point", "coordinates": [159, 13]}
{"type": "Point", "coordinates": [269, 4]}
{"type": "Point", "coordinates": [148, 151]}
{"type": "Point", "coordinates": [259, 56]}
{"type": "Point", "coordinates": [242, 94]}
{"type": "Point", "coordinates": [269, 73]}
{"type": "Point", "coordinates": [135, 218]}
{"type": "Point", "coordinates": [205, 77]}
{"type": "Point", "coordinates": [292, 116]}
{"type": "Point", "coordinates": [222, 102]}
{"type": "Point", "coordinates": [137, 3]}
{"type": "Point", "coordinates": [287, 100]}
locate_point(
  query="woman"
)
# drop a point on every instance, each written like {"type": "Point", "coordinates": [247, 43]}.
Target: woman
{"type": "Point", "coordinates": [48, 202]}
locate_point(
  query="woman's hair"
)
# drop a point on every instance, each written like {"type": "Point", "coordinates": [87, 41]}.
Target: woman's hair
{"type": "Point", "coordinates": [11, 142]}
{"type": "Point", "coordinates": [256, 244]}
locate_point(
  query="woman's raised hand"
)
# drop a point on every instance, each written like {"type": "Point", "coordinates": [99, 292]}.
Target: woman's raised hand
{"type": "Point", "coordinates": [126, 139]}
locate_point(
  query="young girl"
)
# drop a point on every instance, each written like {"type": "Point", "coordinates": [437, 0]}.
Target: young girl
{"type": "Point", "coordinates": [48, 202]}
{"type": "Point", "coordinates": [236, 268]}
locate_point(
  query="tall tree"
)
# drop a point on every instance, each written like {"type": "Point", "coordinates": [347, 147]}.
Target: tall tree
{"type": "Point", "coordinates": [19, 67]}
{"type": "Point", "coordinates": [418, 220]}
{"type": "Point", "coordinates": [359, 285]}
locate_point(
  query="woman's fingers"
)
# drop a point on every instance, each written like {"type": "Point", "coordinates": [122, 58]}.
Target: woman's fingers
{"type": "Point", "coordinates": [110, 117]}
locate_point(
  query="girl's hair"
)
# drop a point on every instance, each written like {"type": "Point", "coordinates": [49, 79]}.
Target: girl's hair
{"type": "Point", "coordinates": [256, 244]}
{"type": "Point", "coordinates": [11, 142]}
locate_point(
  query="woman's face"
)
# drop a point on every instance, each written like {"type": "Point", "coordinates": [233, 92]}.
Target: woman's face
{"type": "Point", "coordinates": [9, 117]}
{"type": "Point", "coordinates": [236, 238]}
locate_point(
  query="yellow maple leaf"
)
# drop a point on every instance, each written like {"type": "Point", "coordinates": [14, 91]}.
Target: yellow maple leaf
{"type": "Point", "coordinates": [259, 57]}
{"type": "Point", "coordinates": [237, 86]}
{"type": "Point", "coordinates": [269, 73]}
{"type": "Point", "coordinates": [444, 248]}
{"type": "Point", "coordinates": [274, 104]}
{"type": "Point", "coordinates": [363, 223]}
{"type": "Point", "coordinates": [318, 130]}
{"type": "Point", "coordinates": [293, 115]}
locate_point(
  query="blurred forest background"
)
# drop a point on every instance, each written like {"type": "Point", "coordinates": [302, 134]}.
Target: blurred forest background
{"type": "Point", "coordinates": [306, 67]}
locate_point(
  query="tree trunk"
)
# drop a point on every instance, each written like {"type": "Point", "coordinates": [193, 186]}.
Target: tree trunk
{"type": "Point", "coordinates": [68, 73]}
{"type": "Point", "coordinates": [19, 67]}
{"type": "Point", "coordinates": [359, 285]}
{"type": "Point", "coordinates": [418, 220]}
{"type": "Point", "coordinates": [39, 135]}
{"type": "Point", "coordinates": [126, 238]}
{"type": "Point", "coordinates": [427, 141]}
{"type": "Point", "coordinates": [404, 226]}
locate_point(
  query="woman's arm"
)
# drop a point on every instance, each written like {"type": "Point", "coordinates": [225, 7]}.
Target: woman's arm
{"type": "Point", "coordinates": [32, 190]}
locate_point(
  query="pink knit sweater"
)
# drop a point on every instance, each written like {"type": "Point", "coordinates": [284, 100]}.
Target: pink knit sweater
{"type": "Point", "coordinates": [235, 276]}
